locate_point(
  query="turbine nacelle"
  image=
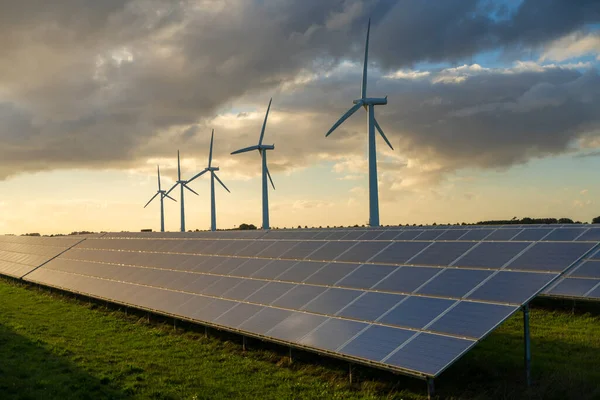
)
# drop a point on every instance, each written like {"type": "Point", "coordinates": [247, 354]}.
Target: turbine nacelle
{"type": "Point", "coordinates": [371, 101]}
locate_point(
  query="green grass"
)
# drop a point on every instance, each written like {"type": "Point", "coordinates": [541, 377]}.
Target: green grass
{"type": "Point", "coordinates": [56, 347]}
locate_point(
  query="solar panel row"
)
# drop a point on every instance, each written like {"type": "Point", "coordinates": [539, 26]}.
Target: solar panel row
{"type": "Point", "coordinates": [582, 281]}
{"type": "Point", "coordinates": [20, 255]}
{"type": "Point", "coordinates": [410, 306]}
{"type": "Point", "coordinates": [472, 233]}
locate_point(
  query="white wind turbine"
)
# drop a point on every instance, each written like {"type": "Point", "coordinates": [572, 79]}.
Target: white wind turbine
{"type": "Point", "coordinates": [262, 149]}
{"type": "Point", "coordinates": [163, 194]}
{"type": "Point", "coordinates": [183, 184]}
{"type": "Point", "coordinates": [369, 104]}
{"type": "Point", "coordinates": [213, 176]}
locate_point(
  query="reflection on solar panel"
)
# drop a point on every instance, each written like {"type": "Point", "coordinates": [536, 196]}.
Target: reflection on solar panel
{"type": "Point", "coordinates": [20, 255]}
{"type": "Point", "coordinates": [393, 298]}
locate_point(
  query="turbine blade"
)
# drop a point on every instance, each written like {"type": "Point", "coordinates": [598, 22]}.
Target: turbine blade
{"type": "Point", "coordinates": [172, 187]}
{"type": "Point", "coordinates": [222, 184]}
{"type": "Point", "coordinates": [363, 92]}
{"type": "Point", "coordinates": [149, 201]}
{"type": "Point", "coordinates": [345, 117]}
{"type": "Point", "coordinates": [246, 149]}
{"type": "Point", "coordinates": [271, 179]}
{"type": "Point", "coordinates": [158, 169]}
{"type": "Point", "coordinates": [191, 190]}
{"type": "Point", "coordinates": [382, 134]}
{"type": "Point", "coordinates": [178, 167]}
{"type": "Point", "coordinates": [198, 175]}
{"type": "Point", "coordinates": [262, 132]}
{"type": "Point", "coordinates": [166, 195]}
{"type": "Point", "coordinates": [211, 144]}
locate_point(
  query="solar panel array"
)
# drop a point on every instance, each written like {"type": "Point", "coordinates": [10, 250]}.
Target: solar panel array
{"type": "Point", "coordinates": [19, 255]}
{"type": "Point", "coordinates": [394, 298]}
{"type": "Point", "coordinates": [582, 281]}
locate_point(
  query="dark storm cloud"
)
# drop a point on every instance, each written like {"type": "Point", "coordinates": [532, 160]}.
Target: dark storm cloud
{"type": "Point", "coordinates": [105, 83]}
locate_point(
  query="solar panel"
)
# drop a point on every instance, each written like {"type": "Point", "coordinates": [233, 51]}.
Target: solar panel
{"type": "Point", "coordinates": [410, 304]}
{"type": "Point", "coordinates": [20, 255]}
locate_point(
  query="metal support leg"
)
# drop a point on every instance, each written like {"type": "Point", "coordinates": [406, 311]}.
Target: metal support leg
{"type": "Point", "coordinates": [206, 332]}
{"type": "Point", "coordinates": [148, 317]}
{"type": "Point", "coordinates": [350, 373]}
{"type": "Point", "coordinates": [291, 359]}
{"type": "Point", "coordinates": [527, 348]}
{"type": "Point", "coordinates": [243, 343]}
{"type": "Point", "coordinates": [430, 388]}
{"type": "Point", "coordinates": [174, 324]}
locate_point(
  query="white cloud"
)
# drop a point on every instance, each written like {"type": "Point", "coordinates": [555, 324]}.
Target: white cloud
{"type": "Point", "coordinates": [572, 46]}
{"type": "Point", "coordinates": [408, 74]}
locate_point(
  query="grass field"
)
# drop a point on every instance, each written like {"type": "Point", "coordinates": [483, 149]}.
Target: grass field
{"type": "Point", "coordinates": [56, 347]}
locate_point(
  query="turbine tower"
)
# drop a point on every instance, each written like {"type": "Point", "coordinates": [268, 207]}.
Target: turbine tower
{"type": "Point", "coordinates": [369, 104]}
{"type": "Point", "coordinates": [262, 149]}
{"type": "Point", "coordinates": [163, 194]}
{"type": "Point", "coordinates": [213, 176]}
{"type": "Point", "coordinates": [183, 184]}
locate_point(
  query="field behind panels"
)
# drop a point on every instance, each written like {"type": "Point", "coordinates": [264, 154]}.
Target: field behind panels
{"type": "Point", "coordinates": [409, 300]}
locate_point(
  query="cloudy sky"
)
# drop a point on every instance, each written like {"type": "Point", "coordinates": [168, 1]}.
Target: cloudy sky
{"type": "Point", "coordinates": [494, 110]}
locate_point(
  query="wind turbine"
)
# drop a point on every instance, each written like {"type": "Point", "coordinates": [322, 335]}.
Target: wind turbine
{"type": "Point", "coordinates": [183, 184]}
{"type": "Point", "coordinates": [369, 104]}
{"type": "Point", "coordinates": [262, 149]}
{"type": "Point", "coordinates": [163, 194]}
{"type": "Point", "coordinates": [213, 176]}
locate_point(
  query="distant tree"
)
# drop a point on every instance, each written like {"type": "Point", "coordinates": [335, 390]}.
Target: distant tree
{"type": "Point", "coordinates": [146, 230]}
{"type": "Point", "coordinates": [247, 227]}
{"type": "Point", "coordinates": [596, 220]}
{"type": "Point", "coordinates": [299, 226]}
{"type": "Point", "coordinates": [565, 221]}
{"type": "Point", "coordinates": [32, 234]}
{"type": "Point", "coordinates": [434, 224]}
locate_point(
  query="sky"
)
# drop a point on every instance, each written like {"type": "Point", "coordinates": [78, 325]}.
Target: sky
{"type": "Point", "coordinates": [493, 110]}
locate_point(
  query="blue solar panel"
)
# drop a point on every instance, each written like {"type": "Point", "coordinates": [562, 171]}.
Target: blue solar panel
{"type": "Point", "coordinates": [294, 327]}
{"type": "Point", "coordinates": [589, 269]}
{"type": "Point", "coordinates": [238, 314]}
{"type": "Point", "coordinates": [472, 319]}
{"type": "Point", "coordinates": [370, 306]}
{"type": "Point", "coordinates": [454, 282]}
{"type": "Point", "coordinates": [331, 273]}
{"type": "Point", "coordinates": [244, 289]}
{"type": "Point", "coordinates": [416, 312]}
{"type": "Point", "coordinates": [298, 296]}
{"type": "Point", "coordinates": [331, 250]}
{"type": "Point", "coordinates": [573, 287]}
{"type": "Point", "coordinates": [333, 333]}
{"type": "Point", "coordinates": [503, 234]}
{"type": "Point", "coordinates": [271, 292]}
{"type": "Point", "coordinates": [300, 271]}
{"type": "Point", "coordinates": [595, 293]}
{"type": "Point", "coordinates": [511, 287]}
{"type": "Point", "coordinates": [265, 320]}
{"type": "Point", "coordinates": [301, 250]}
{"type": "Point", "coordinates": [273, 268]}
{"type": "Point", "coordinates": [332, 301]}
{"type": "Point", "coordinates": [363, 251]}
{"type": "Point", "coordinates": [476, 234]}
{"type": "Point", "coordinates": [564, 234]}
{"type": "Point", "coordinates": [365, 276]}
{"type": "Point", "coordinates": [400, 252]}
{"type": "Point", "coordinates": [376, 342]}
{"type": "Point", "coordinates": [532, 234]}
{"type": "Point", "coordinates": [546, 256]}
{"type": "Point", "coordinates": [407, 279]}
{"type": "Point", "coordinates": [491, 254]}
{"type": "Point", "coordinates": [429, 353]}
{"type": "Point", "coordinates": [592, 235]}
{"type": "Point", "coordinates": [442, 253]}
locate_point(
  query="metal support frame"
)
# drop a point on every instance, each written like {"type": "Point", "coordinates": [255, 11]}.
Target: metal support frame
{"type": "Point", "coordinates": [244, 343]}
{"type": "Point", "coordinates": [527, 342]}
{"type": "Point", "coordinates": [430, 388]}
{"type": "Point", "coordinates": [291, 358]}
{"type": "Point", "coordinates": [350, 372]}
{"type": "Point", "coordinates": [206, 331]}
